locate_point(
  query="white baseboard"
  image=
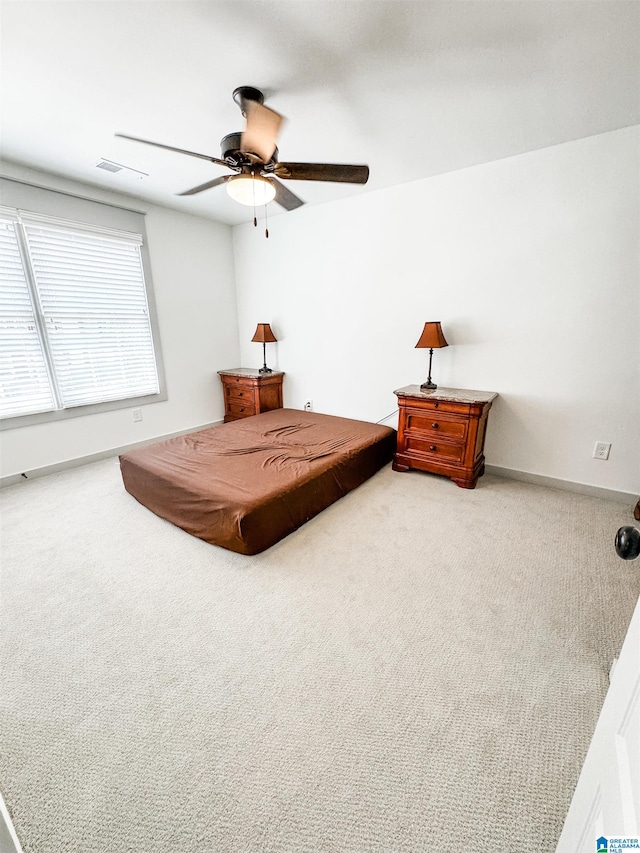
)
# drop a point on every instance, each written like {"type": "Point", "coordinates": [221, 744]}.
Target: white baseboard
{"type": "Point", "coordinates": [565, 485]}
{"type": "Point", "coordinates": [12, 479]}
{"type": "Point", "coordinates": [509, 473]}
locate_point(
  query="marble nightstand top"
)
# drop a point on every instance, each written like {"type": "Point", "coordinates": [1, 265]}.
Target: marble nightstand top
{"type": "Point", "coordinates": [451, 395]}
{"type": "Point", "coordinates": [249, 372]}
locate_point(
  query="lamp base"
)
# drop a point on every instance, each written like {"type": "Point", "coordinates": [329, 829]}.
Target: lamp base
{"type": "Point", "coordinates": [428, 386]}
{"type": "Point", "coordinates": [265, 369]}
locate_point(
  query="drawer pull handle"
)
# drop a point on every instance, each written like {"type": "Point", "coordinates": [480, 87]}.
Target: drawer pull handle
{"type": "Point", "coordinates": [434, 426]}
{"type": "Point", "coordinates": [240, 393]}
{"type": "Point", "coordinates": [242, 410]}
{"type": "Point", "coordinates": [435, 405]}
{"type": "Point", "coordinates": [432, 447]}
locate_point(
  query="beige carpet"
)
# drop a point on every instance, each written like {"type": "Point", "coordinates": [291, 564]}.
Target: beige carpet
{"type": "Point", "coordinates": [420, 667]}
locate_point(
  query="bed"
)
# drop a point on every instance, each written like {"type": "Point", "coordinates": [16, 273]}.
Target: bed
{"type": "Point", "coordinates": [247, 484]}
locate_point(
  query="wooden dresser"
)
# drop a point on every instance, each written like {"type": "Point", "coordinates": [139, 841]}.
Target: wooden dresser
{"type": "Point", "coordinates": [443, 432]}
{"type": "Point", "coordinates": [249, 392]}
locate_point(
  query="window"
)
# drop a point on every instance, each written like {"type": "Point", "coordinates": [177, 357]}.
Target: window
{"type": "Point", "coordinates": [75, 325]}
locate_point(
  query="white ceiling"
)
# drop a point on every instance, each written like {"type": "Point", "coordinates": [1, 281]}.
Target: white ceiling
{"type": "Point", "coordinates": [414, 89]}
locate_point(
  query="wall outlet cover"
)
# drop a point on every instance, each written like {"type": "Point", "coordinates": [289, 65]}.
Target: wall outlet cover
{"type": "Point", "coordinates": [601, 450]}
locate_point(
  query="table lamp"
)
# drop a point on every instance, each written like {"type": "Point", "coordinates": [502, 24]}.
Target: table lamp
{"type": "Point", "coordinates": [432, 337]}
{"type": "Point", "coordinates": [264, 336]}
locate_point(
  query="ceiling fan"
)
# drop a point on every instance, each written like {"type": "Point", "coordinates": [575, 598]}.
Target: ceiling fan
{"type": "Point", "coordinates": [253, 158]}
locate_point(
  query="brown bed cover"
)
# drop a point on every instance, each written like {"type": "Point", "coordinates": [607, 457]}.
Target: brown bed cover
{"type": "Point", "coordinates": [245, 485]}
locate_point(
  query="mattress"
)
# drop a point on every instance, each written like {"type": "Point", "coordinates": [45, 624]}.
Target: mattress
{"type": "Point", "coordinates": [247, 484]}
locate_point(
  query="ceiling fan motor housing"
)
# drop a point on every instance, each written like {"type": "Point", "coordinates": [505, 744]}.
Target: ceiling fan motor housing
{"type": "Point", "coordinates": [230, 146]}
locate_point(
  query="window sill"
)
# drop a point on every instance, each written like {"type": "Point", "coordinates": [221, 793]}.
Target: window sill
{"type": "Point", "coordinates": [19, 421]}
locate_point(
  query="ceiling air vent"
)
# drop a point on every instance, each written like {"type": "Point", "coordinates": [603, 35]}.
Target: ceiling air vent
{"type": "Point", "coordinates": [113, 167]}
{"type": "Point", "coordinates": [108, 167]}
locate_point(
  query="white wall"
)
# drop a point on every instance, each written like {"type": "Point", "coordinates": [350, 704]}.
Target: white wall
{"type": "Point", "coordinates": [532, 266]}
{"type": "Point", "coordinates": [193, 279]}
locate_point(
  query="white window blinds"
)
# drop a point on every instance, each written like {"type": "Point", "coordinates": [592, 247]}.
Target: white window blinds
{"type": "Point", "coordinates": [91, 318]}
{"type": "Point", "coordinates": [24, 379]}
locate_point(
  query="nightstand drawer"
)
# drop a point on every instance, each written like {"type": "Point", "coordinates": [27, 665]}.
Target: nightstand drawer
{"type": "Point", "coordinates": [243, 394]}
{"type": "Point", "coordinates": [434, 425]}
{"type": "Point", "coordinates": [434, 449]}
{"type": "Point", "coordinates": [444, 407]}
{"type": "Point", "coordinates": [231, 380]}
{"type": "Point", "coordinates": [240, 409]}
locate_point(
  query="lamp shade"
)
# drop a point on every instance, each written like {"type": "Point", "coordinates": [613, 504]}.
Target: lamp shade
{"type": "Point", "coordinates": [432, 337]}
{"type": "Point", "coordinates": [251, 190]}
{"type": "Point", "coordinates": [264, 335]}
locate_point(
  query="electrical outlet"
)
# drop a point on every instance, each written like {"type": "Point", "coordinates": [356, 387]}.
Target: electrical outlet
{"type": "Point", "coordinates": [601, 450]}
{"type": "Point", "coordinates": [308, 406]}
{"type": "Point", "coordinates": [137, 415]}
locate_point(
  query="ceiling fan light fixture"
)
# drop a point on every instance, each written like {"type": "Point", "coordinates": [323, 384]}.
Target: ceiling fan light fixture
{"type": "Point", "coordinates": [252, 190]}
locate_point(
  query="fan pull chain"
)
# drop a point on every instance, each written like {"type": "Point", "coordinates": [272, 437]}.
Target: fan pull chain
{"type": "Point", "coordinates": [266, 222]}
{"type": "Point", "coordinates": [253, 187]}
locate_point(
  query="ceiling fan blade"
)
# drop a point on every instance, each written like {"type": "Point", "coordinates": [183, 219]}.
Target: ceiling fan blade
{"type": "Point", "coordinates": [285, 197]}
{"type": "Point", "coordinates": [171, 148]}
{"type": "Point", "coordinates": [322, 172]}
{"type": "Point", "coordinates": [214, 183]}
{"type": "Point", "coordinates": [262, 129]}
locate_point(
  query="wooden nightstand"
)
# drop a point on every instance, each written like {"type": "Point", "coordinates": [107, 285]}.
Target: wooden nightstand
{"type": "Point", "coordinates": [443, 432]}
{"type": "Point", "coordinates": [249, 392]}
